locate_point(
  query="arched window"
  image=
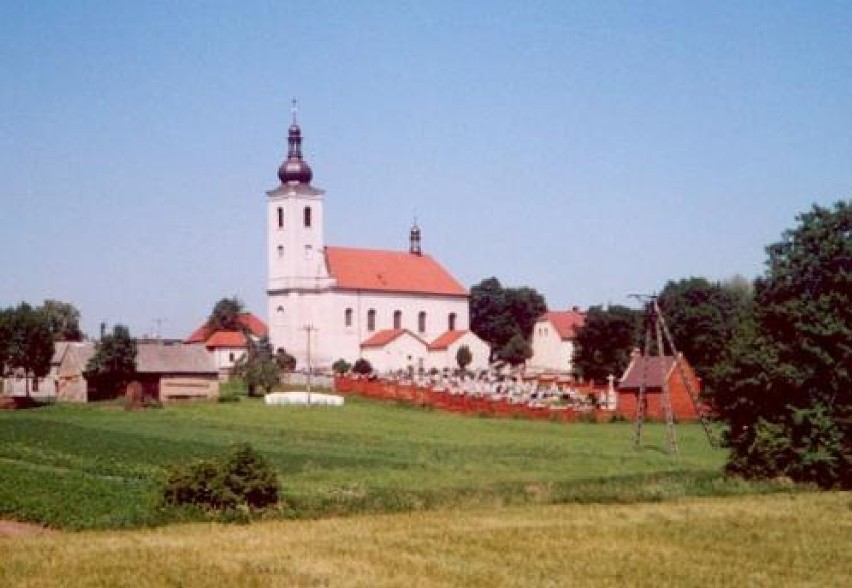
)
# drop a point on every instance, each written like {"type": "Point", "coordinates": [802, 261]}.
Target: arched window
{"type": "Point", "coordinates": [397, 319]}
{"type": "Point", "coordinates": [280, 251]}
{"type": "Point", "coordinates": [371, 320]}
{"type": "Point", "coordinates": [451, 322]}
{"type": "Point", "coordinates": [307, 215]}
{"type": "Point", "coordinates": [421, 322]}
{"type": "Point", "coordinates": [347, 317]}
{"type": "Point", "coordinates": [280, 218]}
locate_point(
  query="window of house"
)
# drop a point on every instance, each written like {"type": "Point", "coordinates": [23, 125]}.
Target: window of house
{"type": "Point", "coordinates": [307, 215]}
{"type": "Point", "coordinates": [451, 322]}
{"type": "Point", "coordinates": [280, 218]}
{"type": "Point", "coordinates": [397, 319]}
{"type": "Point", "coordinates": [347, 317]}
{"type": "Point", "coordinates": [371, 320]}
{"type": "Point", "coordinates": [421, 322]}
{"type": "Point", "coordinates": [231, 356]}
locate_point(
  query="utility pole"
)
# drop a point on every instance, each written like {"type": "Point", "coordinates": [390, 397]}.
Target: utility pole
{"type": "Point", "coordinates": [309, 328]}
{"type": "Point", "coordinates": [159, 322]}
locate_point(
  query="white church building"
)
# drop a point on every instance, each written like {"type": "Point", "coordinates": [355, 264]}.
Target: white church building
{"type": "Point", "coordinates": [325, 303]}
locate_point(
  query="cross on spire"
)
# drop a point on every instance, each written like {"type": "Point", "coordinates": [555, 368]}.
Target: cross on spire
{"type": "Point", "coordinates": [294, 109]}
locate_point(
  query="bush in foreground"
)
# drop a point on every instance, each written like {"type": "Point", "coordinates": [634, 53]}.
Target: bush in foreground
{"type": "Point", "coordinates": [242, 479]}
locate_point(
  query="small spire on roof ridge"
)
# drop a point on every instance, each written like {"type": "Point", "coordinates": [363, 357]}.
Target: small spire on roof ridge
{"type": "Point", "coordinates": [414, 239]}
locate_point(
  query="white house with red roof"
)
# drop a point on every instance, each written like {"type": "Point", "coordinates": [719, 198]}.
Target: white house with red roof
{"type": "Point", "coordinates": [553, 340]}
{"type": "Point", "coordinates": [443, 350]}
{"type": "Point", "coordinates": [227, 346]}
{"type": "Point", "coordinates": [337, 299]}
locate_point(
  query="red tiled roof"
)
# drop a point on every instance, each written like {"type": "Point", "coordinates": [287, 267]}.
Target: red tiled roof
{"type": "Point", "coordinates": [632, 377]}
{"type": "Point", "coordinates": [391, 271]}
{"type": "Point", "coordinates": [566, 322]}
{"type": "Point", "coordinates": [226, 339]}
{"type": "Point", "coordinates": [445, 340]}
{"type": "Point", "coordinates": [382, 338]}
{"type": "Point", "coordinates": [254, 325]}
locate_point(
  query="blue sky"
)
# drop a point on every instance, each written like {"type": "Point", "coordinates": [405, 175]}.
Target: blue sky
{"type": "Point", "coordinates": [587, 149]}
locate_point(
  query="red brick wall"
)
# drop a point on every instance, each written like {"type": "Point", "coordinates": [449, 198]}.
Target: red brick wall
{"type": "Point", "coordinates": [682, 405]}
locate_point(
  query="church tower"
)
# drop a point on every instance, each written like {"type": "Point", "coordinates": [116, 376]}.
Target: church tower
{"type": "Point", "coordinates": [295, 245]}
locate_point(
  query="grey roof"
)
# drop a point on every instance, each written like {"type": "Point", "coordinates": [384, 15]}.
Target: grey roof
{"type": "Point", "coordinates": [159, 358]}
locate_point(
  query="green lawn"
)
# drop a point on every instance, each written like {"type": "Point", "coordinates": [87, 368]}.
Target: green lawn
{"type": "Point", "coordinates": [98, 466]}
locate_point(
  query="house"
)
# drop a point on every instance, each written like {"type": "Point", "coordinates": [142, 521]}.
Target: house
{"type": "Point", "coordinates": [443, 351]}
{"type": "Point", "coordinates": [176, 372]}
{"type": "Point", "coordinates": [553, 341]}
{"type": "Point", "coordinates": [655, 370]}
{"type": "Point", "coordinates": [341, 300]}
{"type": "Point", "coordinates": [400, 349]}
{"type": "Point", "coordinates": [395, 349]}
{"type": "Point", "coordinates": [228, 346]}
{"type": "Point", "coordinates": [166, 371]}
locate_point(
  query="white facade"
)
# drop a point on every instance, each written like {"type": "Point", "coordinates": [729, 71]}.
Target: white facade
{"type": "Point", "coordinates": [405, 351]}
{"type": "Point", "coordinates": [446, 357]}
{"type": "Point", "coordinates": [340, 322]}
{"type": "Point", "coordinates": [553, 341]}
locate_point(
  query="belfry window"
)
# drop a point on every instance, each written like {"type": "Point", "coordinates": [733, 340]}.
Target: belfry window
{"type": "Point", "coordinates": [280, 218]}
{"type": "Point", "coordinates": [307, 215]}
{"type": "Point", "coordinates": [421, 322]}
{"type": "Point", "coordinates": [371, 320]}
{"type": "Point", "coordinates": [347, 317]}
{"type": "Point", "coordinates": [397, 319]}
{"type": "Point", "coordinates": [451, 322]}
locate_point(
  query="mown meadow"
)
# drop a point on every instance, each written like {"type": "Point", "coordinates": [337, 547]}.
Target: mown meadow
{"type": "Point", "coordinates": [98, 466]}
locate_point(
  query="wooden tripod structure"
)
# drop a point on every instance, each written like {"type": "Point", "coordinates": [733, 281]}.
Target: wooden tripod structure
{"type": "Point", "coordinates": [656, 326]}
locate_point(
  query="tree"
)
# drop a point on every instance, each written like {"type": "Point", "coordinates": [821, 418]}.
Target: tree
{"type": "Point", "coordinates": [5, 336]}
{"type": "Point", "coordinates": [516, 351]}
{"type": "Point", "coordinates": [464, 357]}
{"type": "Point", "coordinates": [785, 388]}
{"type": "Point", "coordinates": [701, 316]}
{"type": "Point", "coordinates": [28, 343]}
{"type": "Point", "coordinates": [341, 366]}
{"type": "Point", "coordinates": [63, 320]}
{"type": "Point", "coordinates": [498, 314]}
{"type": "Point", "coordinates": [226, 315]}
{"type": "Point", "coordinates": [258, 367]}
{"type": "Point", "coordinates": [286, 362]}
{"type": "Point", "coordinates": [604, 343]}
{"type": "Point", "coordinates": [362, 367]}
{"type": "Point", "coordinates": [113, 364]}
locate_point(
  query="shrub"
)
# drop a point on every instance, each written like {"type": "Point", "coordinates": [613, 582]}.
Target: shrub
{"type": "Point", "coordinates": [341, 366]}
{"type": "Point", "coordinates": [362, 366]}
{"type": "Point", "coordinates": [242, 478]}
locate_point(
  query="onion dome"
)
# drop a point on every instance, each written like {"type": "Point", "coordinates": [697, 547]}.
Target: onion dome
{"type": "Point", "coordinates": [295, 169]}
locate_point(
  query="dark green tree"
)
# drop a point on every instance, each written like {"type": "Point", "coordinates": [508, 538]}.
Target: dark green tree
{"type": "Point", "coordinates": [701, 316]}
{"type": "Point", "coordinates": [516, 351]}
{"type": "Point", "coordinates": [604, 343]}
{"type": "Point", "coordinates": [341, 366]}
{"type": "Point", "coordinates": [362, 366]}
{"type": "Point", "coordinates": [464, 357]}
{"type": "Point", "coordinates": [226, 315]}
{"type": "Point", "coordinates": [63, 320]}
{"type": "Point", "coordinates": [29, 343]}
{"type": "Point", "coordinates": [498, 314]}
{"type": "Point", "coordinates": [784, 388]}
{"type": "Point", "coordinates": [5, 336]}
{"type": "Point", "coordinates": [258, 367]}
{"type": "Point", "coordinates": [113, 364]}
{"type": "Point", "coordinates": [286, 362]}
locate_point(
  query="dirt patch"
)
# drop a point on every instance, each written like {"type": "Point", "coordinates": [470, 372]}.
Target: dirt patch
{"type": "Point", "coordinates": [16, 529]}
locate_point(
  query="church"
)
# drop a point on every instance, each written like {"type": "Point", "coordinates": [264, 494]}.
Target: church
{"type": "Point", "coordinates": [327, 303]}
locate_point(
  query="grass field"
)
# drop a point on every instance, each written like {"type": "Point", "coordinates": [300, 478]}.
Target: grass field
{"type": "Point", "coordinates": [98, 466]}
{"type": "Point", "coordinates": [778, 540]}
